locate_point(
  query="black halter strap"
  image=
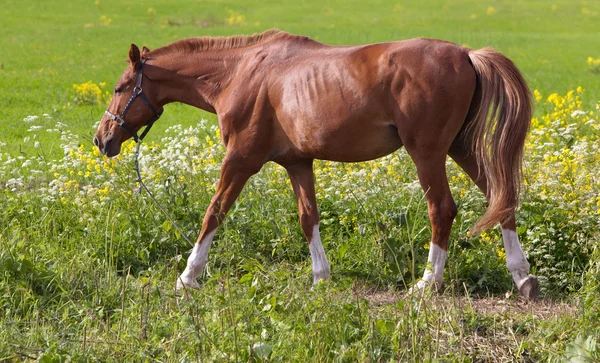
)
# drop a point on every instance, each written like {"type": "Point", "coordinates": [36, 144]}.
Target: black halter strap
{"type": "Point", "coordinates": [137, 92]}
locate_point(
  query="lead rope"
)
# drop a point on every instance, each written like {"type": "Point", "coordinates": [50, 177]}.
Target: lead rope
{"type": "Point", "coordinates": [136, 167]}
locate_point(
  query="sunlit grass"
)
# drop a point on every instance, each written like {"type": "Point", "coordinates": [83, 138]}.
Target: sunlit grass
{"type": "Point", "coordinates": [89, 264]}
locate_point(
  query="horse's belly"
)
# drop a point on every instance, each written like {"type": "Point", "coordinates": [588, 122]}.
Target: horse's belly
{"type": "Point", "coordinates": [351, 142]}
{"type": "Point", "coordinates": [364, 149]}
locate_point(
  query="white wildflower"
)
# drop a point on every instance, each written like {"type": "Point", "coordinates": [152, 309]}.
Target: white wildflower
{"type": "Point", "coordinates": [14, 184]}
{"type": "Point", "coordinates": [31, 118]}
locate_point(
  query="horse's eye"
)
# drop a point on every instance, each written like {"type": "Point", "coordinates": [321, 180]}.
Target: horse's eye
{"type": "Point", "coordinates": [118, 90]}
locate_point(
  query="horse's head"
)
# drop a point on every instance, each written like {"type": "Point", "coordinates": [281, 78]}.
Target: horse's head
{"type": "Point", "coordinates": [131, 107]}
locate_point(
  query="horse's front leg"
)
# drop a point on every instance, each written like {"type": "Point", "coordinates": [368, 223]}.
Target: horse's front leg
{"type": "Point", "coordinates": [302, 178]}
{"type": "Point", "coordinates": [235, 172]}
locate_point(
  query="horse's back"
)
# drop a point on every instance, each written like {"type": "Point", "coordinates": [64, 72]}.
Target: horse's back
{"type": "Point", "coordinates": [349, 103]}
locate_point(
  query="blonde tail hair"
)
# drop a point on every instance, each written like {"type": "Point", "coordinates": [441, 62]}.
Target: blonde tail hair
{"type": "Point", "coordinates": [498, 131]}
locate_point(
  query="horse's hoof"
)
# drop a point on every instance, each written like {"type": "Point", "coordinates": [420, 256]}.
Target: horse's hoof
{"type": "Point", "coordinates": [530, 288]}
{"type": "Point", "coordinates": [321, 280]}
{"type": "Point", "coordinates": [185, 283]}
{"type": "Point", "coordinates": [420, 287]}
{"type": "Point", "coordinates": [415, 291]}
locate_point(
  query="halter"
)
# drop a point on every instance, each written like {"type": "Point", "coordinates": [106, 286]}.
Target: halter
{"type": "Point", "coordinates": [137, 91]}
{"type": "Point", "coordinates": [120, 120]}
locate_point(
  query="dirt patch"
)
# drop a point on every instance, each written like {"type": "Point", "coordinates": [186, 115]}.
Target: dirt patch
{"type": "Point", "coordinates": [484, 329]}
{"type": "Point", "coordinates": [489, 305]}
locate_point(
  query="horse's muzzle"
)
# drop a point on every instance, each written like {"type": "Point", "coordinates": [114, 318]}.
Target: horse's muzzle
{"type": "Point", "coordinates": [109, 147]}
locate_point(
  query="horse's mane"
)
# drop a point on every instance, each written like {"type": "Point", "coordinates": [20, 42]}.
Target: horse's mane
{"type": "Point", "coordinates": [191, 45]}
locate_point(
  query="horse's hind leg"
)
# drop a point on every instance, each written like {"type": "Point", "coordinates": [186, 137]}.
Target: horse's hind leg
{"type": "Point", "coordinates": [515, 258]}
{"type": "Point", "coordinates": [302, 178]}
{"type": "Point", "coordinates": [431, 169]}
{"type": "Point", "coordinates": [235, 172]}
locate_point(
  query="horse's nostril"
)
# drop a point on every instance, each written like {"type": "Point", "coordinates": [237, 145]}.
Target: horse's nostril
{"type": "Point", "coordinates": [96, 142]}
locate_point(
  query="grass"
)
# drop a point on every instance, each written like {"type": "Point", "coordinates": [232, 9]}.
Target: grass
{"type": "Point", "coordinates": [271, 317]}
{"type": "Point", "coordinates": [87, 266]}
{"type": "Point", "coordinates": [49, 47]}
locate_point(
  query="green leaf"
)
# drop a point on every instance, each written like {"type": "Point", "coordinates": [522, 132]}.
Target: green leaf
{"type": "Point", "coordinates": [246, 278]}
{"type": "Point", "coordinates": [262, 351]}
{"type": "Point", "coordinates": [166, 225]}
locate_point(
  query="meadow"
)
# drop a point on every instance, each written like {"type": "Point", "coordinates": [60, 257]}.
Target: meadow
{"type": "Point", "coordinates": [88, 264]}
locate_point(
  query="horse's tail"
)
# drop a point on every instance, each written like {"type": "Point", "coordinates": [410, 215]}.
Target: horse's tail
{"type": "Point", "coordinates": [501, 110]}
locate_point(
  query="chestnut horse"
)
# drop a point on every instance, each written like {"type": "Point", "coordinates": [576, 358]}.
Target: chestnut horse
{"type": "Point", "coordinates": [289, 99]}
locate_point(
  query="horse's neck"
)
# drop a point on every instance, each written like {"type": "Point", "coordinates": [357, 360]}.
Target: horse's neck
{"type": "Point", "coordinates": [199, 79]}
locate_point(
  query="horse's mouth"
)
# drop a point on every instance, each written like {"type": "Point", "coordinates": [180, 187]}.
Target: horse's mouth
{"type": "Point", "coordinates": [109, 148]}
{"type": "Point", "coordinates": [110, 152]}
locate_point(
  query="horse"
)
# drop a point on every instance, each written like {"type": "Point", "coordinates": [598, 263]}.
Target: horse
{"type": "Point", "coordinates": [289, 99]}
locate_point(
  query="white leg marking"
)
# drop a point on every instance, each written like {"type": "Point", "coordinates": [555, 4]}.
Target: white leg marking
{"type": "Point", "coordinates": [196, 262]}
{"type": "Point", "coordinates": [437, 260]}
{"type": "Point", "coordinates": [320, 265]}
{"type": "Point", "coordinates": [515, 258]}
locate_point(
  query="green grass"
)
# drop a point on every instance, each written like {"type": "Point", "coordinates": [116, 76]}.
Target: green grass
{"type": "Point", "coordinates": [48, 47]}
{"type": "Point", "coordinates": [87, 267]}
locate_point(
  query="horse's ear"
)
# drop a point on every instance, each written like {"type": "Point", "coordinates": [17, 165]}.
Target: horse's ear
{"type": "Point", "coordinates": [145, 51]}
{"type": "Point", "coordinates": [134, 55]}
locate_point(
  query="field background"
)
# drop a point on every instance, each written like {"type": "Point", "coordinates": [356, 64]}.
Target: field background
{"type": "Point", "coordinates": [87, 267]}
{"type": "Point", "coordinates": [48, 47]}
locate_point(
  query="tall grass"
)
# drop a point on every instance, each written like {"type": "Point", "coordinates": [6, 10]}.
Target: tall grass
{"type": "Point", "coordinates": [89, 264]}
